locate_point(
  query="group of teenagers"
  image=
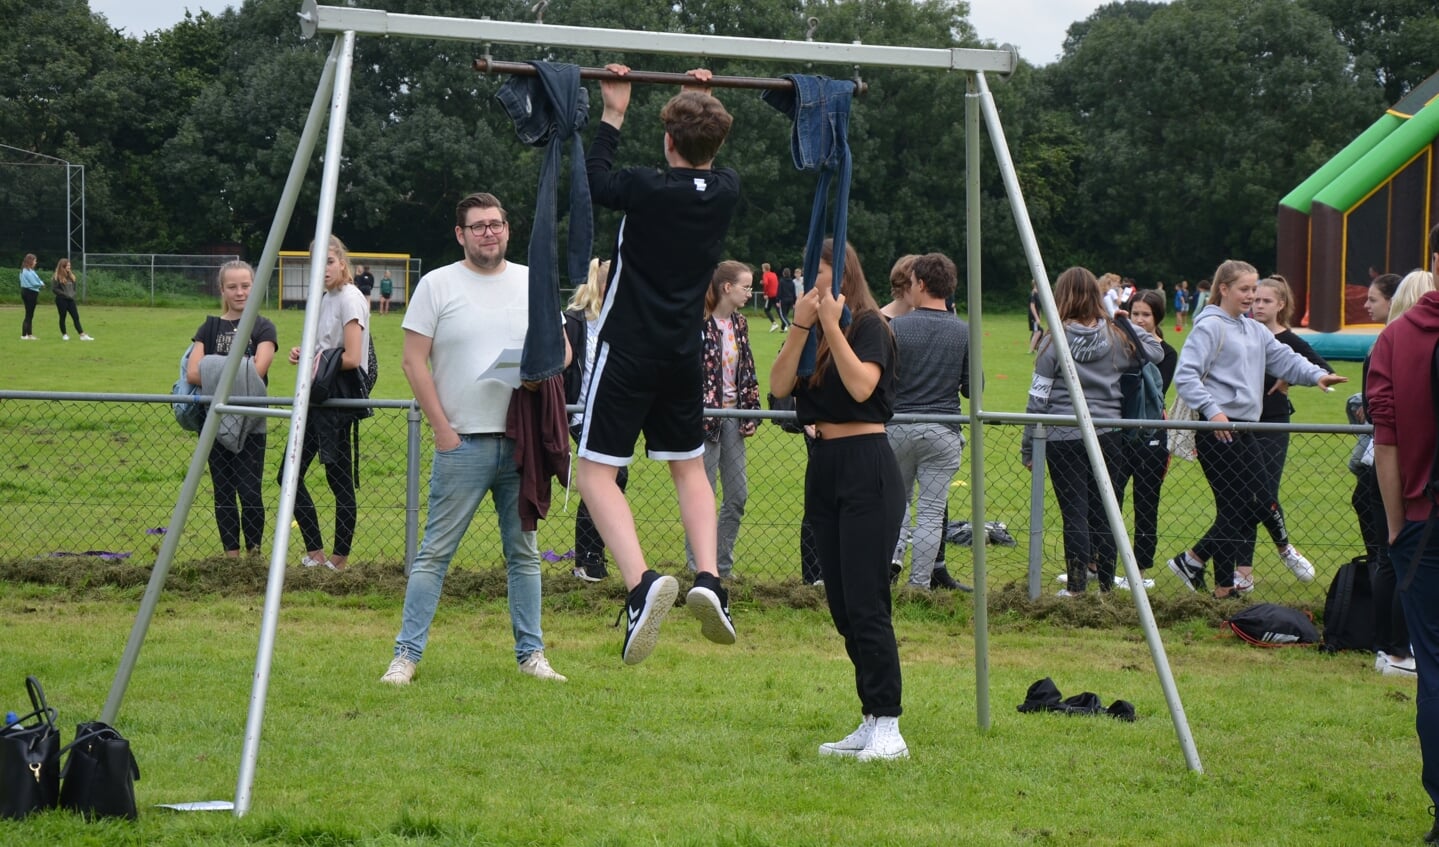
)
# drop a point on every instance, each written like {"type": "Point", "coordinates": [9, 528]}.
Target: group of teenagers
{"type": "Point", "coordinates": [1237, 366]}
{"type": "Point", "coordinates": [63, 285]}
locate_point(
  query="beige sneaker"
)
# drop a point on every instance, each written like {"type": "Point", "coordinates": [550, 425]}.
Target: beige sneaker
{"type": "Point", "coordinates": [401, 671]}
{"type": "Point", "coordinates": [537, 666]}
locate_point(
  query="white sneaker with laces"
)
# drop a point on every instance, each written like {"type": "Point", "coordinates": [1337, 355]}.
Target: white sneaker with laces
{"type": "Point", "coordinates": [401, 671]}
{"type": "Point", "coordinates": [537, 666]}
{"type": "Point", "coordinates": [884, 743]}
{"type": "Point", "coordinates": [65, 337]}
{"type": "Point", "coordinates": [851, 744]}
{"type": "Point", "coordinates": [1243, 584]}
{"type": "Point", "coordinates": [309, 562]}
{"type": "Point", "coordinates": [84, 337]}
{"type": "Point", "coordinates": [1122, 583]}
{"type": "Point", "coordinates": [1301, 567]}
{"type": "Point", "coordinates": [1397, 667]}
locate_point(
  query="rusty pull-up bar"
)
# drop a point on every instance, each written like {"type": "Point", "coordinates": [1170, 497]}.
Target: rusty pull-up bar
{"type": "Point", "coordinates": [490, 66]}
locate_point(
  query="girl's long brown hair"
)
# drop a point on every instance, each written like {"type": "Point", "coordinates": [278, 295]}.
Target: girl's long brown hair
{"type": "Point", "coordinates": [1078, 299]}
{"type": "Point", "coordinates": [726, 273]}
{"type": "Point", "coordinates": [857, 297]}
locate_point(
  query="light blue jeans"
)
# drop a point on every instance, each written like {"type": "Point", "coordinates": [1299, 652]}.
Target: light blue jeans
{"type": "Point", "coordinates": [927, 453]}
{"type": "Point", "coordinates": [459, 480]}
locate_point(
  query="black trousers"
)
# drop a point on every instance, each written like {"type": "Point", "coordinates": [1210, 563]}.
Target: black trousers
{"type": "Point", "coordinates": [1274, 450]}
{"type": "Point", "coordinates": [340, 474]}
{"type": "Point", "coordinates": [1087, 537]}
{"type": "Point", "coordinates": [66, 306]}
{"type": "Point", "coordinates": [1391, 630]}
{"type": "Point", "coordinates": [239, 503]}
{"type": "Point", "coordinates": [853, 502]}
{"type": "Point", "coordinates": [29, 297]}
{"type": "Point", "coordinates": [1144, 467]}
{"type": "Point", "coordinates": [1242, 500]}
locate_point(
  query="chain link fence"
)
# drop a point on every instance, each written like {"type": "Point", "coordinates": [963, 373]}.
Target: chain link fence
{"type": "Point", "coordinates": [100, 477]}
{"type": "Point", "coordinates": [153, 278]}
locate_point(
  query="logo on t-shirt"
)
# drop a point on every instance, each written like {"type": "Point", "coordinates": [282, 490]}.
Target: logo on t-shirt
{"type": "Point", "coordinates": [700, 184]}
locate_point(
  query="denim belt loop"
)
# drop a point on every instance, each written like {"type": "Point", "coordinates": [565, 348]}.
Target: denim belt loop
{"type": "Point", "coordinates": [819, 107]}
{"type": "Point", "coordinates": [548, 110]}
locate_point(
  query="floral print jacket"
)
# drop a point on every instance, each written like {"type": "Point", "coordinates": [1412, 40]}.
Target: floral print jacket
{"type": "Point", "coordinates": [746, 383]}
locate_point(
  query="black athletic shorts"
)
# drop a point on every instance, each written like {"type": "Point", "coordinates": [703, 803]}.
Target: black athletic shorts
{"type": "Point", "coordinates": [631, 394]}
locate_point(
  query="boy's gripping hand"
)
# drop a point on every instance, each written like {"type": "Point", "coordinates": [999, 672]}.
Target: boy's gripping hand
{"type": "Point", "coordinates": [701, 75]}
{"type": "Point", "coordinates": [616, 96]}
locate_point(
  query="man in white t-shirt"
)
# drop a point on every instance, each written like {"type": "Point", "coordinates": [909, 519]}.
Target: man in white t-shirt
{"type": "Point", "coordinates": [465, 326]}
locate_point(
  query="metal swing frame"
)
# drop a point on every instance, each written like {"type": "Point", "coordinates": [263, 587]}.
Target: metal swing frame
{"type": "Point", "coordinates": [331, 100]}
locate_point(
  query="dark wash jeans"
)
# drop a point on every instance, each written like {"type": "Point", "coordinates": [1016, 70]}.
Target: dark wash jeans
{"type": "Point", "coordinates": [548, 110]}
{"type": "Point", "coordinates": [1421, 609]}
{"type": "Point", "coordinates": [820, 107]}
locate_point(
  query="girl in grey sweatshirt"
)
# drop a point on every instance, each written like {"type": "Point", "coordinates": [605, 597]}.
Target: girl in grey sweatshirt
{"type": "Point", "coordinates": [1221, 376]}
{"type": "Point", "coordinates": [1102, 351]}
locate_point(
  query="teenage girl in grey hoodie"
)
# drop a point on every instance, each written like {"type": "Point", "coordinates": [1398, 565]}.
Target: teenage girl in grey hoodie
{"type": "Point", "coordinates": [1221, 376]}
{"type": "Point", "coordinates": [1102, 351]}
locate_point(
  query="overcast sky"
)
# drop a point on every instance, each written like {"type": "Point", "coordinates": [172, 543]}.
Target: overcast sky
{"type": "Point", "coordinates": [1036, 27]}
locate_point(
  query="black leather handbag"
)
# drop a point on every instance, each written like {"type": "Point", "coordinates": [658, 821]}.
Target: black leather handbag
{"type": "Point", "coordinates": [100, 773]}
{"type": "Point", "coordinates": [30, 759]}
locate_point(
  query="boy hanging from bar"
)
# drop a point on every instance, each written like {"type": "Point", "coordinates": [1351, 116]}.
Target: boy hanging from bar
{"type": "Point", "coordinates": [647, 373]}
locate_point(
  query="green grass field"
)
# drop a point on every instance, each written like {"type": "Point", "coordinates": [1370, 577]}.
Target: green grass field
{"type": "Point", "coordinates": [700, 745]}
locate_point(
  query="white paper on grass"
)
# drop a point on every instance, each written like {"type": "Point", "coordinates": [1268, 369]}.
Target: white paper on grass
{"type": "Point", "coordinates": [200, 806]}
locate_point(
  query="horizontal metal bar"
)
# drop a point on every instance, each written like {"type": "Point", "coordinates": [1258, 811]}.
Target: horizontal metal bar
{"type": "Point", "coordinates": [315, 19]}
{"type": "Point", "coordinates": [763, 83]}
{"type": "Point", "coordinates": [253, 411]}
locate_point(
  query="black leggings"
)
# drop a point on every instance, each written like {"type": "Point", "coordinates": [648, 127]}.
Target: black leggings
{"type": "Point", "coordinates": [853, 503]}
{"type": "Point", "coordinates": [29, 297]}
{"type": "Point", "coordinates": [1274, 449]}
{"type": "Point", "coordinates": [1145, 466]}
{"type": "Point", "coordinates": [237, 477]}
{"type": "Point", "coordinates": [341, 476]}
{"type": "Point", "coordinates": [66, 306]}
{"type": "Point", "coordinates": [1087, 536]}
{"type": "Point", "coordinates": [1242, 500]}
{"type": "Point", "coordinates": [1391, 631]}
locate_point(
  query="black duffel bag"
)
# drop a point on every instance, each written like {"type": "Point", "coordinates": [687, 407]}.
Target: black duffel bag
{"type": "Point", "coordinates": [30, 759]}
{"type": "Point", "coordinates": [100, 773]}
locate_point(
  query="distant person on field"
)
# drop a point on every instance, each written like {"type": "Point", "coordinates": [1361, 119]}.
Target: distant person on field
{"type": "Point", "coordinates": [1401, 403]}
{"type": "Point", "coordinates": [769, 287]}
{"type": "Point", "coordinates": [1181, 304]}
{"type": "Point", "coordinates": [343, 323]}
{"type": "Point", "coordinates": [464, 329]}
{"type": "Point", "coordinates": [582, 327]}
{"type": "Point", "coordinates": [30, 285]}
{"type": "Point", "coordinates": [63, 282]}
{"type": "Point", "coordinates": [387, 290]}
{"type": "Point", "coordinates": [648, 376]}
{"type": "Point", "coordinates": [237, 458]}
{"type": "Point", "coordinates": [365, 281]}
{"type": "Point", "coordinates": [730, 382]}
{"type": "Point", "coordinates": [787, 297]}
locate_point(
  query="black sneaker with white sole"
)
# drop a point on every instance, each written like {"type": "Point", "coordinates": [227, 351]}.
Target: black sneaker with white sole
{"type": "Point", "coordinates": [709, 602]}
{"type": "Point", "coordinates": [644, 611]}
{"type": "Point", "coordinates": [1188, 573]}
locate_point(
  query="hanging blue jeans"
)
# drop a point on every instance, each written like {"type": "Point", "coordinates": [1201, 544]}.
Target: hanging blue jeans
{"type": "Point", "coordinates": [819, 107]}
{"type": "Point", "coordinates": [548, 110]}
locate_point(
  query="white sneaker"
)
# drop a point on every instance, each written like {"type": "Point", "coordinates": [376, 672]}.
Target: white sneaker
{"type": "Point", "coordinates": [884, 743]}
{"type": "Point", "coordinates": [401, 671]}
{"type": "Point", "coordinates": [1065, 592]}
{"type": "Point", "coordinates": [1122, 583]}
{"type": "Point", "coordinates": [537, 666]}
{"type": "Point", "coordinates": [84, 337]}
{"type": "Point", "coordinates": [308, 562]}
{"type": "Point", "coordinates": [773, 326]}
{"type": "Point", "coordinates": [65, 337]}
{"type": "Point", "coordinates": [1302, 569]}
{"type": "Point", "coordinates": [851, 744]}
{"type": "Point", "coordinates": [1389, 666]}
{"type": "Point", "coordinates": [1243, 584]}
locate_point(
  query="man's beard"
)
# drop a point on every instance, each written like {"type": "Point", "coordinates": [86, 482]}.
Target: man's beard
{"type": "Point", "coordinates": [485, 262]}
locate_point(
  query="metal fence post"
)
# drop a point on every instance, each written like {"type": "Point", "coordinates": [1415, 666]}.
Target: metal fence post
{"type": "Point", "coordinates": [412, 484]}
{"type": "Point", "coordinates": [1036, 509]}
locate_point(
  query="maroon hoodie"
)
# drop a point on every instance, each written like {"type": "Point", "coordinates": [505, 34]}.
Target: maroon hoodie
{"type": "Point", "coordinates": [1401, 398]}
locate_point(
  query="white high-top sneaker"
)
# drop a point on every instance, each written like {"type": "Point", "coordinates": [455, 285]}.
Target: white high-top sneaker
{"type": "Point", "coordinates": [851, 744]}
{"type": "Point", "coordinates": [884, 743]}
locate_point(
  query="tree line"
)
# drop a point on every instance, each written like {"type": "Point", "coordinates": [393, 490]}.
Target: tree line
{"type": "Point", "coordinates": [1158, 143]}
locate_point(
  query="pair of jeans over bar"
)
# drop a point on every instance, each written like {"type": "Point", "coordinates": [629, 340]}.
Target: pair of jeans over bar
{"type": "Point", "coordinates": [548, 110]}
{"type": "Point", "coordinates": [819, 107]}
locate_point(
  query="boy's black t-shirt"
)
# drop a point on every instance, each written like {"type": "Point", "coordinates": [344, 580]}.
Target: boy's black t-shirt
{"type": "Point", "coordinates": [669, 242]}
{"type": "Point", "coordinates": [831, 402]}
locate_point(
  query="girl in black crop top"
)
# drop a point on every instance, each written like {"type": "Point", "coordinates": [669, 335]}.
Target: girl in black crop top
{"type": "Point", "coordinates": [853, 498]}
